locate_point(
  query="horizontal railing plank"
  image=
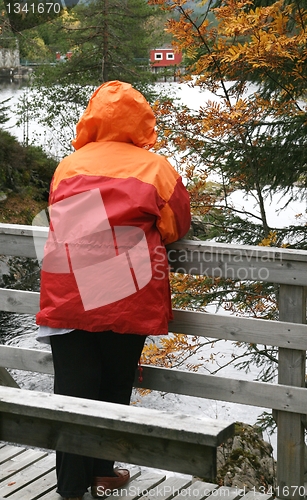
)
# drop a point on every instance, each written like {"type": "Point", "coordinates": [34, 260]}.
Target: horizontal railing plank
{"type": "Point", "coordinates": [16, 240]}
{"type": "Point", "coordinates": [276, 265]}
{"type": "Point", "coordinates": [255, 331]}
{"type": "Point", "coordinates": [126, 433]}
{"type": "Point", "coordinates": [19, 301]}
{"type": "Point", "coordinates": [250, 330]}
{"type": "Point", "coordinates": [239, 262]}
{"type": "Point", "coordinates": [236, 251]}
{"type": "Point", "coordinates": [32, 360]}
{"type": "Point", "coordinates": [260, 394]}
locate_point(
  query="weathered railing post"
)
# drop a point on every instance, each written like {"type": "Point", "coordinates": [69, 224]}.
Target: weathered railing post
{"type": "Point", "coordinates": [291, 371]}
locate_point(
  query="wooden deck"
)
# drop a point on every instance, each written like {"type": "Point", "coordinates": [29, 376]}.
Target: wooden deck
{"type": "Point", "coordinates": [29, 474]}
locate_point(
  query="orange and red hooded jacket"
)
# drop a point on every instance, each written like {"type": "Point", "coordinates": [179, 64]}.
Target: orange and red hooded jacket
{"type": "Point", "coordinates": [113, 207]}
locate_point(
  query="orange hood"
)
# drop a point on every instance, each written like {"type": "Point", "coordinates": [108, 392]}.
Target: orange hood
{"type": "Point", "coordinates": [116, 112]}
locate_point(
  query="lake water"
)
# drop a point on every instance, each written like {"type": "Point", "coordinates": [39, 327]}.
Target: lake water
{"type": "Point", "coordinates": [21, 329]}
{"type": "Point", "coordinates": [28, 130]}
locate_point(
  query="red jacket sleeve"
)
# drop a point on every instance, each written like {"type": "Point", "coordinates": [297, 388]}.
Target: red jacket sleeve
{"type": "Point", "coordinates": [175, 219]}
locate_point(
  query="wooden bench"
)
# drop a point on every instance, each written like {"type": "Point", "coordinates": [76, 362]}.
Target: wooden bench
{"type": "Point", "coordinates": [135, 435]}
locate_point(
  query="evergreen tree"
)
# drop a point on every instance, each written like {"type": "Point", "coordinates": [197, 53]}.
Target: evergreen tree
{"type": "Point", "coordinates": [108, 39]}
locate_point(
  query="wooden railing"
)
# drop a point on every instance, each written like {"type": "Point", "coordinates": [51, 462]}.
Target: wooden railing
{"type": "Point", "coordinates": [287, 398]}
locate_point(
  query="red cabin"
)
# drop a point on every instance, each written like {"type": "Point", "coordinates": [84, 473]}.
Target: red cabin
{"type": "Point", "coordinates": [165, 57]}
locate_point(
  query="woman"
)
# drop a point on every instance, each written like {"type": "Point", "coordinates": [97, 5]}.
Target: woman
{"type": "Point", "coordinates": [114, 206]}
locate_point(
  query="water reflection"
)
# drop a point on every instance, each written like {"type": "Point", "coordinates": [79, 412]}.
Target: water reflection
{"type": "Point", "coordinates": [11, 85]}
{"type": "Point", "coordinates": [13, 325]}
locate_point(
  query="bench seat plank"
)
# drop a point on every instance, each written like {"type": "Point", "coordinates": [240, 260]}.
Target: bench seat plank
{"type": "Point", "coordinates": [129, 434]}
{"type": "Point", "coordinates": [101, 415]}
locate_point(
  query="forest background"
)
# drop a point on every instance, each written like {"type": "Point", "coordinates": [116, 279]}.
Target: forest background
{"type": "Point", "coordinates": [251, 55]}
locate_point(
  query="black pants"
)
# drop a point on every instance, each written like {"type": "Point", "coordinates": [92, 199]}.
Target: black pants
{"type": "Point", "coordinates": [98, 366]}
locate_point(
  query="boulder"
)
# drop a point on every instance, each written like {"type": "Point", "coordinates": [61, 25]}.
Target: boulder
{"type": "Point", "coordinates": [246, 461]}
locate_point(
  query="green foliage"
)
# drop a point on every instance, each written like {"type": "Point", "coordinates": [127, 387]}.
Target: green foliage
{"type": "Point", "coordinates": [24, 274]}
{"type": "Point", "coordinates": [11, 155]}
{"type": "Point", "coordinates": [33, 48]}
{"type": "Point", "coordinates": [3, 111]}
{"type": "Point", "coordinates": [24, 166]}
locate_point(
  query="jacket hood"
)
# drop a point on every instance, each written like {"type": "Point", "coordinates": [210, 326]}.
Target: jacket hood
{"type": "Point", "coordinates": [117, 112]}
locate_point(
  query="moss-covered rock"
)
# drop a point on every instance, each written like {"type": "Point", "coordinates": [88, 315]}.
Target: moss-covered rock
{"type": "Point", "coordinates": [246, 461]}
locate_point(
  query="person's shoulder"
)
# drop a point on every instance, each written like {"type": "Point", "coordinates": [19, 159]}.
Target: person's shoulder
{"type": "Point", "coordinates": [73, 155]}
{"type": "Point", "coordinates": [156, 157]}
